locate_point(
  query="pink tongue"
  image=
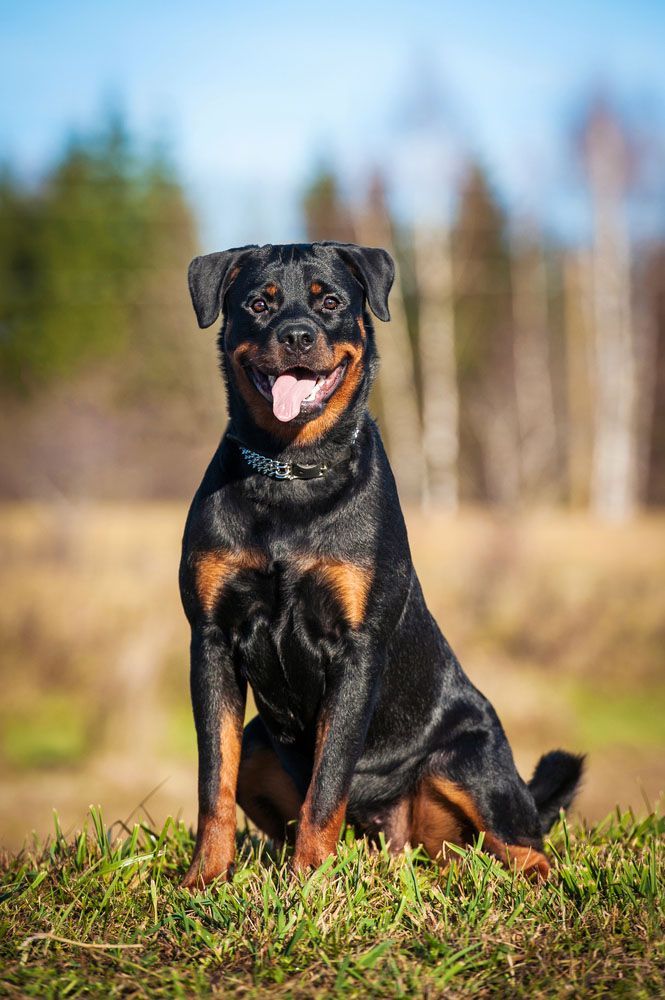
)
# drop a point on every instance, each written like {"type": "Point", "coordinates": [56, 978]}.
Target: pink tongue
{"type": "Point", "coordinates": [288, 393]}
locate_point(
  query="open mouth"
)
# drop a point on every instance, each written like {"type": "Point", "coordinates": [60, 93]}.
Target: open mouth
{"type": "Point", "coordinates": [298, 390]}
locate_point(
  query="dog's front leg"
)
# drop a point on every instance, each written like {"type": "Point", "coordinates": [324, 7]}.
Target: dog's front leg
{"type": "Point", "coordinates": [218, 699]}
{"type": "Point", "coordinates": [341, 730]}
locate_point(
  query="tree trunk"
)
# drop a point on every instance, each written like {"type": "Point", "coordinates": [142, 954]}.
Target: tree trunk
{"type": "Point", "coordinates": [614, 480]}
{"type": "Point", "coordinates": [396, 384]}
{"type": "Point", "coordinates": [436, 341]}
{"type": "Point", "coordinates": [614, 474]}
{"type": "Point", "coordinates": [646, 347]}
{"type": "Point", "coordinates": [533, 381]}
{"type": "Point", "coordinates": [578, 325]}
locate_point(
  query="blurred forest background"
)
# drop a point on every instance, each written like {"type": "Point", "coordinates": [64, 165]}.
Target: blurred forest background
{"type": "Point", "coordinates": [521, 396]}
{"type": "Point", "coordinates": [527, 371]}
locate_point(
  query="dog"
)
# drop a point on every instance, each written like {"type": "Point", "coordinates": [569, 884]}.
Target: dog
{"type": "Point", "coordinates": [297, 579]}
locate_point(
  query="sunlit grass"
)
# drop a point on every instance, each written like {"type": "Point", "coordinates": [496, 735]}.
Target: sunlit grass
{"type": "Point", "coordinates": [102, 914]}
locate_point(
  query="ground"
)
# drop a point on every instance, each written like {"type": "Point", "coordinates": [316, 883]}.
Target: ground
{"type": "Point", "coordinates": [102, 915]}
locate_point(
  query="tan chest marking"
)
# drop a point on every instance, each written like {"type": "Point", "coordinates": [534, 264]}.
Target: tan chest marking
{"type": "Point", "coordinates": [349, 583]}
{"type": "Point", "coordinates": [214, 569]}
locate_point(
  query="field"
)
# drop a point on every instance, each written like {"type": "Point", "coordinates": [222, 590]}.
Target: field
{"type": "Point", "coordinates": [559, 620]}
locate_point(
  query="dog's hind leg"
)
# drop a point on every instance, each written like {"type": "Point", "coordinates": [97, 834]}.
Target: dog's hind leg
{"type": "Point", "coordinates": [267, 793]}
{"type": "Point", "coordinates": [445, 813]}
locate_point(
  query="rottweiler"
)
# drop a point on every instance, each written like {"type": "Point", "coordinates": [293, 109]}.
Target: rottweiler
{"type": "Point", "coordinates": [297, 579]}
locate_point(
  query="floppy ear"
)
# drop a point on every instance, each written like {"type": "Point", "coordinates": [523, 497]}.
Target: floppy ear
{"type": "Point", "coordinates": [209, 280]}
{"type": "Point", "coordinates": [374, 269]}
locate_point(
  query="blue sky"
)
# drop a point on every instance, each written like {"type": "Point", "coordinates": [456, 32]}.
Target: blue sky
{"type": "Point", "coordinates": [251, 96]}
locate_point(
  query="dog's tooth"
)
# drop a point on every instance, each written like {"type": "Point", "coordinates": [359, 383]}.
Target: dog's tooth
{"type": "Point", "coordinates": [271, 379]}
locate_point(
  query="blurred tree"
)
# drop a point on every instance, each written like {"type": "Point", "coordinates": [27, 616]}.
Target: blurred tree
{"type": "Point", "coordinates": [164, 362]}
{"type": "Point", "coordinates": [89, 263]}
{"type": "Point", "coordinates": [400, 417]}
{"type": "Point", "coordinates": [607, 155]}
{"type": "Point", "coordinates": [436, 344]}
{"type": "Point", "coordinates": [87, 256]}
{"type": "Point", "coordinates": [427, 157]}
{"type": "Point", "coordinates": [579, 404]}
{"type": "Point", "coordinates": [650, 324]}
{"type": "Point", "coordinates": [533, 369]}
{"type": "Point", "coordinates": [94, 359]}
{"type": "Point", "coordinates": [484, 344]}
{"type": "Point", "coordinates": [327, 217]}
{"type": "Point", "coordinates": [19, 277]}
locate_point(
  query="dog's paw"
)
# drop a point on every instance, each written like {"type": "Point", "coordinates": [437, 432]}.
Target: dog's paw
{"type": "Point", "coordinates": [538, 871]}
{"type": "Point", "coordinates": [304, 861]}
{"type": "Point", "coordinates": [203, 871]}
{"type": "Point", "coordinates": [528, 862]}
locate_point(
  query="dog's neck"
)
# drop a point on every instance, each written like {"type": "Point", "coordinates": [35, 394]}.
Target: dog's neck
{"type": "Point", "coordinates": [326, 449]}
{"type": "Point", "coordinates": [288, 470]}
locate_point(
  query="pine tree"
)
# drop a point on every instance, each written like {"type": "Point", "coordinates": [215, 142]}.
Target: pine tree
{"type": "Point", "coordinates": [484, 343]}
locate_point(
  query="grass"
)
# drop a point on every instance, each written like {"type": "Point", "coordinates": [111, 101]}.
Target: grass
{"type": "Point", "coordinates": [102, 915]}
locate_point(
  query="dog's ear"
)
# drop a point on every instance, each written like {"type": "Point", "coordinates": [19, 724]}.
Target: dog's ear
{"type": "Point", "coordinates": [374, 269]}
{"type": "Point", "coordinates": [209, 280]}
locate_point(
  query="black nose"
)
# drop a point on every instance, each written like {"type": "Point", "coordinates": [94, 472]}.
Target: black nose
{"type": "Point", "coordinates": [296, 339]}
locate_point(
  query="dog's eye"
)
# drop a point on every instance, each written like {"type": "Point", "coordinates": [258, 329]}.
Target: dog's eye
{"type": "Point", "coordinates": [330, 302]}
{"type": "Point", "coordinates": [259, 305]}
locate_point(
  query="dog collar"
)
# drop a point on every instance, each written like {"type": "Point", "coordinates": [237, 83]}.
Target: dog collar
{"type": "Point", "coordinates": [275, 469]}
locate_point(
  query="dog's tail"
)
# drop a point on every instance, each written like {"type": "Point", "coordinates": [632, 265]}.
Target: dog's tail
{"type": "Point", "coordinates": [554, 784]}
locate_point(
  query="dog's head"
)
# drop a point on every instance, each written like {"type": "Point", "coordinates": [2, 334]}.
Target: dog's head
{"type": "Point", "coordinates": [296, 342]}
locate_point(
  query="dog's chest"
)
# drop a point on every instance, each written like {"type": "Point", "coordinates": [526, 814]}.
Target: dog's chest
{"type": "Point", "coordinates": [285, 621]}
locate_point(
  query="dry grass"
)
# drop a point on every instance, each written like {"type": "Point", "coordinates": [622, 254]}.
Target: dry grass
{"type": "Point", "coordinates": [558, 619]}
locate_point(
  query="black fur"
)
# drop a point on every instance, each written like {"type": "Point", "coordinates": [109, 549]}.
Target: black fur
{"type": "Point", "coordinates": [397, 702]}
{"type": "Point", "coordinates": [554, 784]}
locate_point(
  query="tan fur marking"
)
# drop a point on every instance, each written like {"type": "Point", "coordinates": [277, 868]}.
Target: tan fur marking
{"type": "Point", "coordinates": [214, 569]}
{"type": "Point", "coordinates": [441, 811]}
{"type": "Point", "coordinates": [398, 825]}
{"type": "Point", "coordinates": [271, 289]}
{"type": "Point", "coordinates": [315, 288]}
{"type": "Point", "coordinates": [316, 841]}
{"type": "Point", "coordinates": [215, 837]}
{"type": "Point", "coordinates": [433, 823]}
{"type": "Point", "coordinates": [361, 326]}
{"type": "Point", "coordinates": [526, 860]}
{"type": "Point", "coordinates": [289, 433]}
{"type": "Point", "coordinates": [349, 582]}
{"type": "Point", "coordinates": [267, 794]}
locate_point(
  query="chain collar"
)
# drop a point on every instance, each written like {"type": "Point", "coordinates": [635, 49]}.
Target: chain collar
{"type": "Point", "coordinates": [275, 469]}
{"type": "Point", "coordinates": [269, 466]}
